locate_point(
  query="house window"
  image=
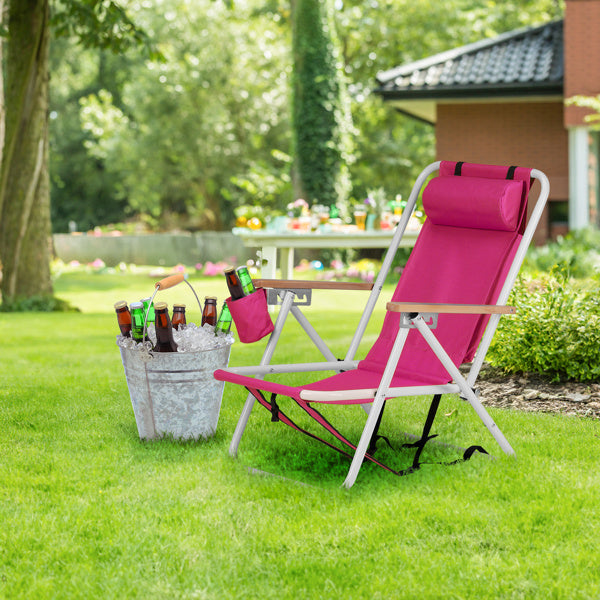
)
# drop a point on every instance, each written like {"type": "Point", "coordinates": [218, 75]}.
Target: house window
{"type": "Point", "coordinates": [558, 218]}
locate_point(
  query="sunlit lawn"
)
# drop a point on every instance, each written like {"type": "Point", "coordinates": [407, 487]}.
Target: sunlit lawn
{"type": "Point", "coordinates": [90, 511]}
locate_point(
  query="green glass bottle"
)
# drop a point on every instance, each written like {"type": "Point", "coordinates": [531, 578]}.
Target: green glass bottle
{"type": "Point", "coordinates": [224, 321]}
{"type": "Point", "coordinates": [245, 280]}
{"type": "Point", "coordinates": [137, 321]}
{"type": "Point", "coordinates": [146, 303]}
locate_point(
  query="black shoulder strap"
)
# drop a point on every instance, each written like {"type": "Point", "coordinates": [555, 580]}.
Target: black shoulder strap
{"type": "Point", "coordinates": [511, 173]}
{"type": "Point", "coordinates": [458, 167]}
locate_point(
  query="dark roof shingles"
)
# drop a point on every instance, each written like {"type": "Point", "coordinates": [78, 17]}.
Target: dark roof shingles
{"type": "Point", "coordinates": [524, 60]}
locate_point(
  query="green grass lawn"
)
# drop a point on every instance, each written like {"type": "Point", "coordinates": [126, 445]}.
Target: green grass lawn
{"type": "Point", "coordinates": [90, 511]}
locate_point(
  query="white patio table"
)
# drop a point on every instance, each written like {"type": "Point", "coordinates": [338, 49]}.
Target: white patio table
{"type": "Point", "coordinates": [288, 241]}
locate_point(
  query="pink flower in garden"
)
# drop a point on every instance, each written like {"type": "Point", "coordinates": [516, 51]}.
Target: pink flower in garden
{"type": "Point", "coordinates": [337, 265]}
{"type": "Point", "coordinates": [179, 268]}
{"type": "Point", "coordinates": [212, 269]}
{"type": "Point", "coordinates": [298, 207]}
{"type": "Point", "coordinates": [300, 203]}
{"type": "Point", "coordinates": [209, 269]}
{"type": "Point", "coordinates": [198, 266]}
{"type": "Point", "coordinates": [98, 264]}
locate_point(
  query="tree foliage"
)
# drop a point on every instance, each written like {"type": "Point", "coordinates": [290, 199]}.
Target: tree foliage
{"type": "Point", "coordinates": [181, 138]}
{"type": "Point", "coordinates": [99, 24]}
{"type": "Point", "coordinates": [186, 139]}
{"type": "Point", "coordinates": [321, 114]}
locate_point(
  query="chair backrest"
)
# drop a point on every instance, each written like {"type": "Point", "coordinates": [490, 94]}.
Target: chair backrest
{"type": "Point", "coordinates": [475, 219]}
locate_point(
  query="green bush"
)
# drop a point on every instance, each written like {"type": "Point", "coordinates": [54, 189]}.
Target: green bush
{"type": "Point", "coordinates": [40, 303]}
{"type": "Point", "coordinates": [578, 252]}
{"type": "Point", "coordinates": [556, 330]}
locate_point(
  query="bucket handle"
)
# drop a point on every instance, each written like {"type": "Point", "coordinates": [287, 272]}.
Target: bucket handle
{"type": "Point", "coordinates": [164, 284]}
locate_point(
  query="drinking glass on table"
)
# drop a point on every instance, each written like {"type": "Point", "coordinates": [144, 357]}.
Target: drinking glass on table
{"type": "Point", "coordinates": [360, 217]}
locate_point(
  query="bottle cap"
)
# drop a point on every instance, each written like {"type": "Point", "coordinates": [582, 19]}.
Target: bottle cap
{"type": "Point", "coordinates": [120, 304]}
{"type": "Point", "coordinates": [210, 298]}
{"type": "Point", "coordinates": [160, 306]}
{"type": "Point", "coordinates": [178, 306]}
{"type": "Point", "coordinates": [135, 305]}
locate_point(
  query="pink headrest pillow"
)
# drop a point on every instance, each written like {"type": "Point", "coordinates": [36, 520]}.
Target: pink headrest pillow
{"type": "Point", "coordinates": [474, 202]}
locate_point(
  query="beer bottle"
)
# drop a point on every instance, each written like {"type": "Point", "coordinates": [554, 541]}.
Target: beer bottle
{"type": "Point", "coordinates": [245, 280]}
{"type": "Point", "coordinates": [178, 315]}
{"type": "Point", "coordinates": [234, 284]}
{"type": "Point", "coordinates": [224, 321]}
{"type": "Point", "coordinates": [137, 321]}
{"type": "Point", "coordinates": [209, 314]}
{"type": "Point", "coordinates": [164, 329]}
{"type": "Point", "coordinates": [124, 318]}
{"type": "Point", "coordinates": [146, 303]}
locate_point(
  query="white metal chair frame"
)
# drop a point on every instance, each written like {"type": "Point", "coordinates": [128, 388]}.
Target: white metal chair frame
{"type": "Point", "coordinates": [413, 316]}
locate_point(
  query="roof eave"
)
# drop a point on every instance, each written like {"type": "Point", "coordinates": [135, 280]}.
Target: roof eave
{"type": "Point", "coordinates": [425, 108]}
{"type": "Point", "coordinates": [473, 92]}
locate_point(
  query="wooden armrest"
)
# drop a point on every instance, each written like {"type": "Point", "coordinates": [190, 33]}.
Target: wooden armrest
{"type": "Point", "coordinates": [465, 309]}
{"type": "Point", "coordinates": [294, 284]}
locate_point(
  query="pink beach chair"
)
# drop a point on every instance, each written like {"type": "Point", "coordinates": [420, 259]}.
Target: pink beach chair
{"type": "Point", "coordinates": [443, 312]}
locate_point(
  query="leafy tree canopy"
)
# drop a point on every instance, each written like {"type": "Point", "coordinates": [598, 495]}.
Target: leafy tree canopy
{"type": "Point", "coordinates": [186, 138]}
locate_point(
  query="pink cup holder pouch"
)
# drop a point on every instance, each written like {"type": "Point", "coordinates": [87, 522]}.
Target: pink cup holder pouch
{"type": "Point", "coordinates": [251, 316]}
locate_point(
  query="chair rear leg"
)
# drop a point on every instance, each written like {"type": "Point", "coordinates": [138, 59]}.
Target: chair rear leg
{"type": "Point", "coordinates": [425, 437]}
{"type": "Point", "coordinates": [375, 437]}
{"type": "Point", "coordinates": [464, 387]}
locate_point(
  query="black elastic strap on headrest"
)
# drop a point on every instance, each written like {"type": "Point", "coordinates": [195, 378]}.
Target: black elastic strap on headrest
{"type": "Point", "coordinates": [458, 167]}
{"type": "Point", "coordinates": [511, 173]}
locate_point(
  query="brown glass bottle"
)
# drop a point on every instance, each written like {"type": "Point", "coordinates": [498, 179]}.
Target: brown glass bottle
{"type": "Point", "coordinates": [234, 284]}
{"type": "Point", "coordinates": [209, 314]}
{"type": "Point", "coordinates": [164, 329]}
{"type": "Point", "coordinates": [178, 317]}
{"type": "Point", "coordinates": [123, 318]}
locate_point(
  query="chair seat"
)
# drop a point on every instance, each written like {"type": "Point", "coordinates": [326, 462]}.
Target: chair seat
{"type": "Point", "coordinates": [356, 379]}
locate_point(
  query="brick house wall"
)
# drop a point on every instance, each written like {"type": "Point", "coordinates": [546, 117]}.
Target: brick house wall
{"type": "Point", "coordinates": [581, 55]}
{"type": "Point", "coordinates": [528, 134]}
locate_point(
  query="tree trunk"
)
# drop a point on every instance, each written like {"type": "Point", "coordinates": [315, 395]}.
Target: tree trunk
{"type": "Point", "coordinates": [25, 231]}
{"type": "Point", "coordinates": [2, 121]}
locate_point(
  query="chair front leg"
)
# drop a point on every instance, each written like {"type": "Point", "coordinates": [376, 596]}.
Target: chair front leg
{"type": "Point", "coordinates": [376, 408]}
{"type": "Point", "coordinates": [265, 360]}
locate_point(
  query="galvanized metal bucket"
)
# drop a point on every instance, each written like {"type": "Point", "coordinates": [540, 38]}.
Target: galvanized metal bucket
{"type": "Point", "coordinates": [174, 394]}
